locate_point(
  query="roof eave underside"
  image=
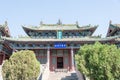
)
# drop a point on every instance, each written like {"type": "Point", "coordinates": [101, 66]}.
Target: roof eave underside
{"type": "Point", "coordinates": [116, 26]}
{"type": "Point", "coordinates": [39, 29]}
{"type": "Point", "coordinates": [59, 40]}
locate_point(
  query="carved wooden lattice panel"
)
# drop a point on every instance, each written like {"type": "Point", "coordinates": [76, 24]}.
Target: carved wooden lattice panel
{"type": "Point", "coordinates": [59, 52]}
{"type": "Point", "coordinates": [54, 60]}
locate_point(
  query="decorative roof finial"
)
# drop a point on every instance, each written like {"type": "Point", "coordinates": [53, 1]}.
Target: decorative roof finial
{"type": "Point", "coordinates": [41, 22]}
{"type": "Point", "coordinates": [110, 22]}
{"type": "Point", "coordinates": [77, 23]}
{"type": "Point", "coordinates": [59, 22]}
{"type": "Point", "coordinates": [6, 23]}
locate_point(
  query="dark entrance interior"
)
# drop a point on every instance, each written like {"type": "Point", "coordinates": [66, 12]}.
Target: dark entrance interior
{"type": "Point", "coordinates": [59, 62]}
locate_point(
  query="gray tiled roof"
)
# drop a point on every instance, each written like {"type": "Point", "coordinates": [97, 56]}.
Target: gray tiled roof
{"type": "Point", "coordinates": [117, 25]}
{"type": "Point", "coordinates": [59, 27]}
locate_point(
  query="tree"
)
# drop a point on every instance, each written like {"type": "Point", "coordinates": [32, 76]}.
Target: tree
{"type": "Point", "coordinates": [22, 65]}
{"type": "Point", "coordinates": [99, 61]}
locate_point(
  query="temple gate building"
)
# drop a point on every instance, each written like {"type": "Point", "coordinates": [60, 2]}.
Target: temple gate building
{"type": "Point", "coordinates": [55, 45]}
{"type": "Point", "coordinates": [5, 50]}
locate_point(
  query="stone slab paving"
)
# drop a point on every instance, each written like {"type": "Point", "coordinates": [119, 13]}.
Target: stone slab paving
{"type": "Point", "coordinates": [65, 76]}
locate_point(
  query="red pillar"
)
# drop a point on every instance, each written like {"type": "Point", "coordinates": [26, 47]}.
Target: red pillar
{"type": "Point", "coordinates": [72, 60]}
{"type": "Point", "coordinates": [2, 57]}
{"type": "Point", "coordinates": [48, 58]}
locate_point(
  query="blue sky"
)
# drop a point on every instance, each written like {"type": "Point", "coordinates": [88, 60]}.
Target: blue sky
{"type": "Point", "coordinates": [31, 12]}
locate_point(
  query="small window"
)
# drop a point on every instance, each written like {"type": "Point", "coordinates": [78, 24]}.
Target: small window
{"type": "Point", "coordinates": [17, 45]}
{"type": "Point", "coordinates": [30, 45]}
{"type": "Point", "coordinates": [23, 45]}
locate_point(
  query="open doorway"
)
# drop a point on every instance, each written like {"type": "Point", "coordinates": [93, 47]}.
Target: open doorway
{"type": "Point", "coordinates": [59, 62]}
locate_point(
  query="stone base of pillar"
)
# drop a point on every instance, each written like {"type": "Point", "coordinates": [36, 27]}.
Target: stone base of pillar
{"type": "Point", "coordinates": [72, 68]}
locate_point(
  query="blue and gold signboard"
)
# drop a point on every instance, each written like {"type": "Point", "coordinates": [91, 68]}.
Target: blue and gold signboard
{"type": "Point", "coordinates": [60, 45]}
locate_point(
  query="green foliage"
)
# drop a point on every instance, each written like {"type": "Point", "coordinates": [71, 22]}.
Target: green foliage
{"type": "Point", "coordinates": [22, 65]}
{"type": "Point", "coordinates": [99, 61]}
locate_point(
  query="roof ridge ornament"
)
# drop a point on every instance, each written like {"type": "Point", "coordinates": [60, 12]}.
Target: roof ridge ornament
{"type": "Point", "coordinates": [59, 22]}
{"type": "Point", "coordinates": [77, 23]}
{"type": "Point", "coordinates": [6, 23]}
{"type": "Point", "coordinates": [110, 22]}
{"type": "Point", "coordinates": [41, 22]}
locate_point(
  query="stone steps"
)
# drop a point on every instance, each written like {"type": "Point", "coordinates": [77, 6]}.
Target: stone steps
{"type": "Point", "coordinates": [61, 70]}
{"type": "Point", "coordinates": [57, 75]}
{"type": "Point", "coordinates": [62, 76]}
